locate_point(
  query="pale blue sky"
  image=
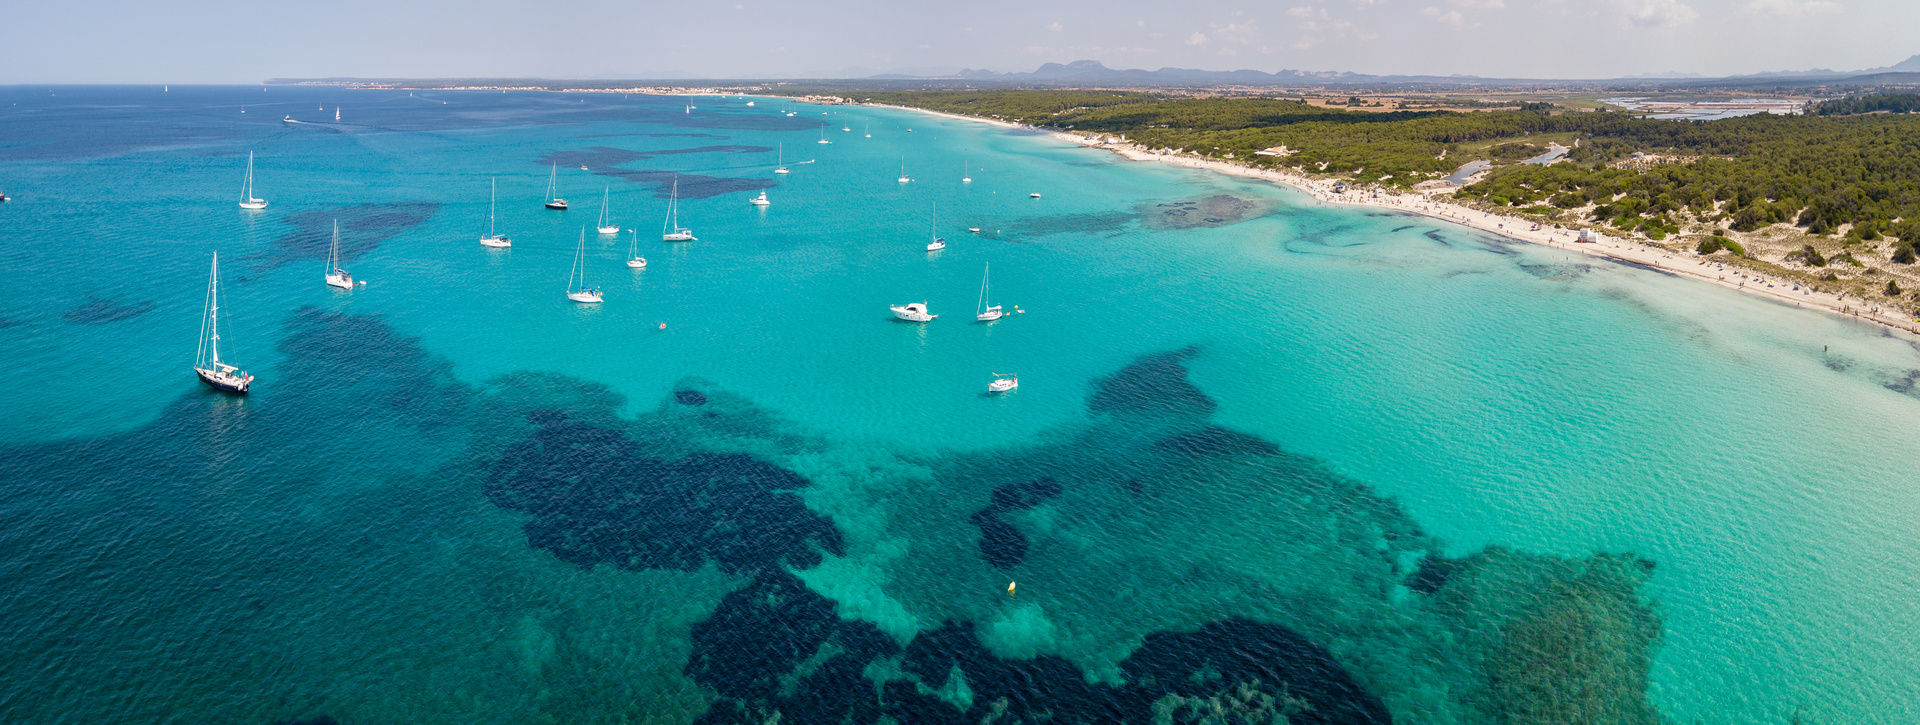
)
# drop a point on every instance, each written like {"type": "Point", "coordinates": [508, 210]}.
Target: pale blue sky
{"type": "Point", "coordinates": [228, 41]}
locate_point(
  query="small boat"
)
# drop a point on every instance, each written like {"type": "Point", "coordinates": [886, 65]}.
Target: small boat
{"type": "Point", "coordinates": [975, 230]}
{"type": "Point", "coordinates": [749, 104]}
{"type": "Point", "coordinates": [965, 177]}
{"type": "Point", "coordinates": [492, 239]}
{"type": "Point", "coordinates": [912, 312]}
{"type": "Point", "coordinates": [554, 202]}
{"type": "Point", "coordinates": [634, 259]}
{"type": "Point", "coordinates": [869, 130]}
{"type": "Point", "coordinates": [760, 200]}
{"type": "Point", "coordinates": [672, 231]}
{"type": "Point", "coordinates": [1034, 195]}
{"type": "Point", "coordinates": [4, 197]}
{"type": "Point", "coordinates": [247, 199]}
{"type": "Point", "coordinates": [823, 134]}
{"type": "Point", "coordinates": [780, 159]}
{"type": "Point", "coordinates": [903, 171]}
{"type": "Point", "coordinates": [336, 113]}
{"type": "Point", "coordinates": [581, 294]}
{"type": "Point", "coordinates": [985, 310]}
{"type": "Point", "coordinates": [604, 227]}
{"type": "Point", "coordinates": [846, 128]}
{"type": "Point", "coordinates": [1001, 384]}
{"type": "Point", "coordinates": [206, 361]}
{"type": "Point", "coordinates": [337, 277]}
{"type": "Point", "coordinates": [937, 244]}
{"type": "Point", "coordinates": [583, 167]}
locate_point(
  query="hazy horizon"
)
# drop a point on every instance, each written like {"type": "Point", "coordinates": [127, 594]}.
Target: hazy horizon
{"type": "Point", "coordinates": [112, 41]}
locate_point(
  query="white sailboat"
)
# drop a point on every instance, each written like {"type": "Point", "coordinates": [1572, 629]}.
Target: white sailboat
{"type": "Point", "coordinates": [780, 159]}
{"type": "Point", "coordinates": [869, 130]}
{"type": "Point", "coordinates": [846, 128]}
{"type": "Point", "coordinates": [337, 277]}
{"type": "Point", "coordinates": [604, 227]}
{"type": "Point", "coordinates": [671, 231]}
{"type": "Point", "coordinates": [492, 239]}
{"type": "Point", "coordinates": [903, 171]}
{"type": "Point", "coordinates": [336, 113]}
{"type": "Point", "coordinates": [553, 177]}
{"type": "Point", "coordinates": [206, 361]}
{"type": "Point", "coordinates": [823, 134]}
{"type": "Point", "coordinates": [582, 293]}
{"type": "Point", "coordinates": [913, 312]}
{"type": "Point", "coordinates": [938, 243]}
{"type": "Point", "coordinates": [634, 259]}
{"type": "Point", "coordinates": [760, 200]}
{"type": "Point", "coordinates": [985, 310]}
{"type": "Point", "coordinates": [247, 199]}
{"type": "Point", "coordinates": [966, 177]}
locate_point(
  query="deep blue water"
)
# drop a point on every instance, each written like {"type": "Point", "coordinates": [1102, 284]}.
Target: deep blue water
{"type": "Point", "coordinates": [1266, 457]}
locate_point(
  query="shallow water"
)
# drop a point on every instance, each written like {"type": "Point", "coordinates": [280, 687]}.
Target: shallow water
{"type": "Point", "coordinates": [456, 497]}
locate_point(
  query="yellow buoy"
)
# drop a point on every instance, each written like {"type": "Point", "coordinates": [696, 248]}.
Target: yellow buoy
{"type": "Point", "coordinates": [1010, 586]}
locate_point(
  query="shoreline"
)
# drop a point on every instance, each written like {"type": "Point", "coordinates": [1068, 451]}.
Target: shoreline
{"type": "Point", "coordinates": [1656, 259]}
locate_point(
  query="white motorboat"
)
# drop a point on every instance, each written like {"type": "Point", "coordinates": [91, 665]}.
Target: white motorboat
{"type": "Point", "coordinates": [496, 241]}
{"type": "Point", "coordinates": [937, 244]}
{"type": "Point", "coordinates": [554, 202]}
{"type": "Point", "coordinates": [206, 361]}
{"type": "Point", "coordinates": [749, 104]}
{"type": "Point", "coordinates": [760, 200]}
{"type": "Point", "coordinates": [247, 199]}
{"type": "Point", "coordinates": [337, 277]}
{"type": "Point", "coordinates": [1003, 383]}
{"type": "Point", "coordinates": [913, 312]}
{"type": "Point", "coordinates": [582, 293]}
{"type": "Point", "coordinates": [903, 171]}
{"type": "Point", "coordinates": [985, 310]}
{"type": "Point", "coordinates": [634, 259]}
{"type": "Point", "coordinates": [1034, 195]}
{"type": "Point", "coordinates": [604, 227]}
{"type": "Point", "coordinates": [975, 230]}
{"type": "Point", "coordinates": [672, 231]}
{"type": "Point", "coordinates": [780, 159]}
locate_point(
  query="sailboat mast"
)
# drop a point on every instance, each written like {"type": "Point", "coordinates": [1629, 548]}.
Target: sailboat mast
{"type": "Point", "coordinates": [493, 195]}
{"type": "Point", "coordinates": [333, 250]}
{"type": "Point", "coordinates": [247, 194]}
{"type": "Point", "coordinates": [981, 306]}
{"type": "Point", "coordinates": [213, 312]}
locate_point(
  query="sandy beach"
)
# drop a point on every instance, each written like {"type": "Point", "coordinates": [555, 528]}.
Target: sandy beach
{"type": "Point", "coordinates": [1642, 254]}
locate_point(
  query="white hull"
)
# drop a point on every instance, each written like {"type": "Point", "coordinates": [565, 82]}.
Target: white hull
{"type": "Point", "coordinates": [609, 230]}
{"type": "Point", "coordinates": [904, 180]}
{"type": "Point", "coordinates": [936, 246]}
{"type": "Point", "coordinates": [585, 298]}
{"type": "Point", "coordinates": [992, 313]}
{"type": "Point", "coordinates": [637, 263]}
{"type": "Point", "coordinates": [760, 200]}
{"type": "Point", "coordinates": [1034, 195]}
{"type": "Point", "coordinates": [916, 312]}
{"type": "Point", "coordinates": [1002, 385]}
{"type": "Point", "coordinates": [782, 170]}
{"type": "Point", "coordinates": [343, 281]}
{"type": "Point", "coordinates": [684, 235]}
{"type": "Point", "coordinates": [254, 204]}
{"type": "Point", "coordinates": [825, 141]}
{"type": "Point", "coordinates": [966, 180]}
{"type": "Point", "coordinates": [496, 242]}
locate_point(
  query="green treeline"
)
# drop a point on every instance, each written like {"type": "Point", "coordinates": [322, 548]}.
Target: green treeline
{"type": "Point", "coordinates": [1872, 103]}
{"type": "Point", "coordinates": [1819, 172]}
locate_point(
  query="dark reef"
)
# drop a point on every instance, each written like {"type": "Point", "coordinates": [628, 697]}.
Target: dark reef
{"type": "Point", "coordinates": [689, 397]}
{"type": "Point", "coordinates": [1001, 544]}
{"type": "Point", "coordinates": [363, 228]}
{"type": "Point", "coordinates": [1153, 384]}
{"type": "Point", "coordinates": [97, 311]}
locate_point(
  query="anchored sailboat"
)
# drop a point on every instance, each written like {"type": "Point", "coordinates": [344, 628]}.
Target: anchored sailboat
{"type": "Point", "coordinates": [938, 243]}
{"type": "Point", "coordinates": [337, 277]}
{"type": "Point", "coordinates": [604, 227]}
{"type": "Point", "coordinates": [582, 294]}
{"type": "Point", "coordinates": [903, 171]}
{"type": "Point", "coordinates": [965, 176]}
{"type": "Point", "coordinates": [492, 239]}
{"type": "Point", "coordinates": [823, 134]}
{"type": "Point", "coordinates": [780, 159]}
{"type": "Point", "coordinates": [671, 231]}
{"type": "Point", "coordinates": [206, 361]}
{"type": "Point", "coordinates": [985, 310]}
{"type": "Point", "coordinates": [554, 202]}
{"type": "Point", "coordinates": [247, 200]}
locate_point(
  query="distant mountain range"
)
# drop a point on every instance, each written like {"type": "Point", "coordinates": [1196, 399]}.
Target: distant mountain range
{"type": "Point", "coordinates": [1092, 71]}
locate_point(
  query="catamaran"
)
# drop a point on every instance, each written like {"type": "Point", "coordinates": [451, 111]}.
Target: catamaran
{"type": "Point", "coordinates": [247, 200]}
{"type": "Point", "coordinates": [985, 310]}
{"type": "Point", "coordinates": [938, 243]}
{"type": "Point", "coordinates": [604, 227]}
{"type": "Point", "coordinates": [206, 361]}
{"type": "Point", "coordinates": [780, 159]}
{"type": "Point", "coordinates": [582, 294]}
{"type": "Point", "coordinates": [554, 202]}
{"type": "Point", "coordinates": [634, 259]}
{"type": "Point", "coordinates": [337, 277]}
{"type": "Point", "coordinates": [913, 312]}
{"type": "Point", "coordinates": [671, 231]}
{"type": "Point", "coordinates": [903, 171]}
{"type": "Point", "coordinates": [492, 239]}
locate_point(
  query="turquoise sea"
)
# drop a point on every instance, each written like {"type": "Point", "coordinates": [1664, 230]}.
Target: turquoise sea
{"type": "Point", "coordinates": [1267, 458]}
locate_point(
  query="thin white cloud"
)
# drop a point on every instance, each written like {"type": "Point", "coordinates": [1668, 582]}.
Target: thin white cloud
{"type": "Point", "coordinates": [1197, 38]}
{"type": "Point", "coordinates": [1793, 7]}
{"type": "Point", "coordinates": [1655, 14]}
{"type": "Point", "coordinates": [1478, 4]}
{"type": "Point", "coordinates": [1055, 27]}
{"type": "Point", "coordinates": [1301, 12]}
{"type": "Point", "coordinates": [1449, 18]}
